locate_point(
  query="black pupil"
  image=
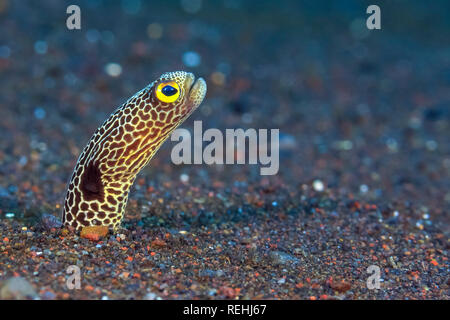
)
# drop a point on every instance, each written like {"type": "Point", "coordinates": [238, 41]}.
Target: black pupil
{"type": "Point", "coordinates": [169, 90]}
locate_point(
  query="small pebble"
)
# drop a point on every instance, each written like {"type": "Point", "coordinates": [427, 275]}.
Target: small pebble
{"type": "Point", "coordinates": [17, 288]}
{"type": "Point", "coordinates": [113, 69]}
{"type": "Point", "coordinates": [318, 185]}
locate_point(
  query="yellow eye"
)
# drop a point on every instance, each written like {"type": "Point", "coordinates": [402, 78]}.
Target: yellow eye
{"type": "Point", "coordinates": [168, 91]}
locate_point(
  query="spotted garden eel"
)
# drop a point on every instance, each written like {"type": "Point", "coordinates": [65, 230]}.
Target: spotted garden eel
{"type": "Point", "coordinates": [98, 190]}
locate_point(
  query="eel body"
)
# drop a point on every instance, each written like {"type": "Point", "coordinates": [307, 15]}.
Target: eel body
{"type": "Point", "coordinates": [98, 190]}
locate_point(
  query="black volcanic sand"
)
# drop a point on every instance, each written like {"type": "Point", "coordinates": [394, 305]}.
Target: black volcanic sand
{"type": "Point", "coordinates": [364, 153]}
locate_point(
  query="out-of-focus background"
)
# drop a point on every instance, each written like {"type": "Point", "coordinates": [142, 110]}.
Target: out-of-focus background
{"type": "Point", "coordinates": [363, 117]}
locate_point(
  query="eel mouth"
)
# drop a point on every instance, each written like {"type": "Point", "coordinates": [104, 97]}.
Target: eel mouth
{"type": "Point", "coordinates": [196, 90]}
